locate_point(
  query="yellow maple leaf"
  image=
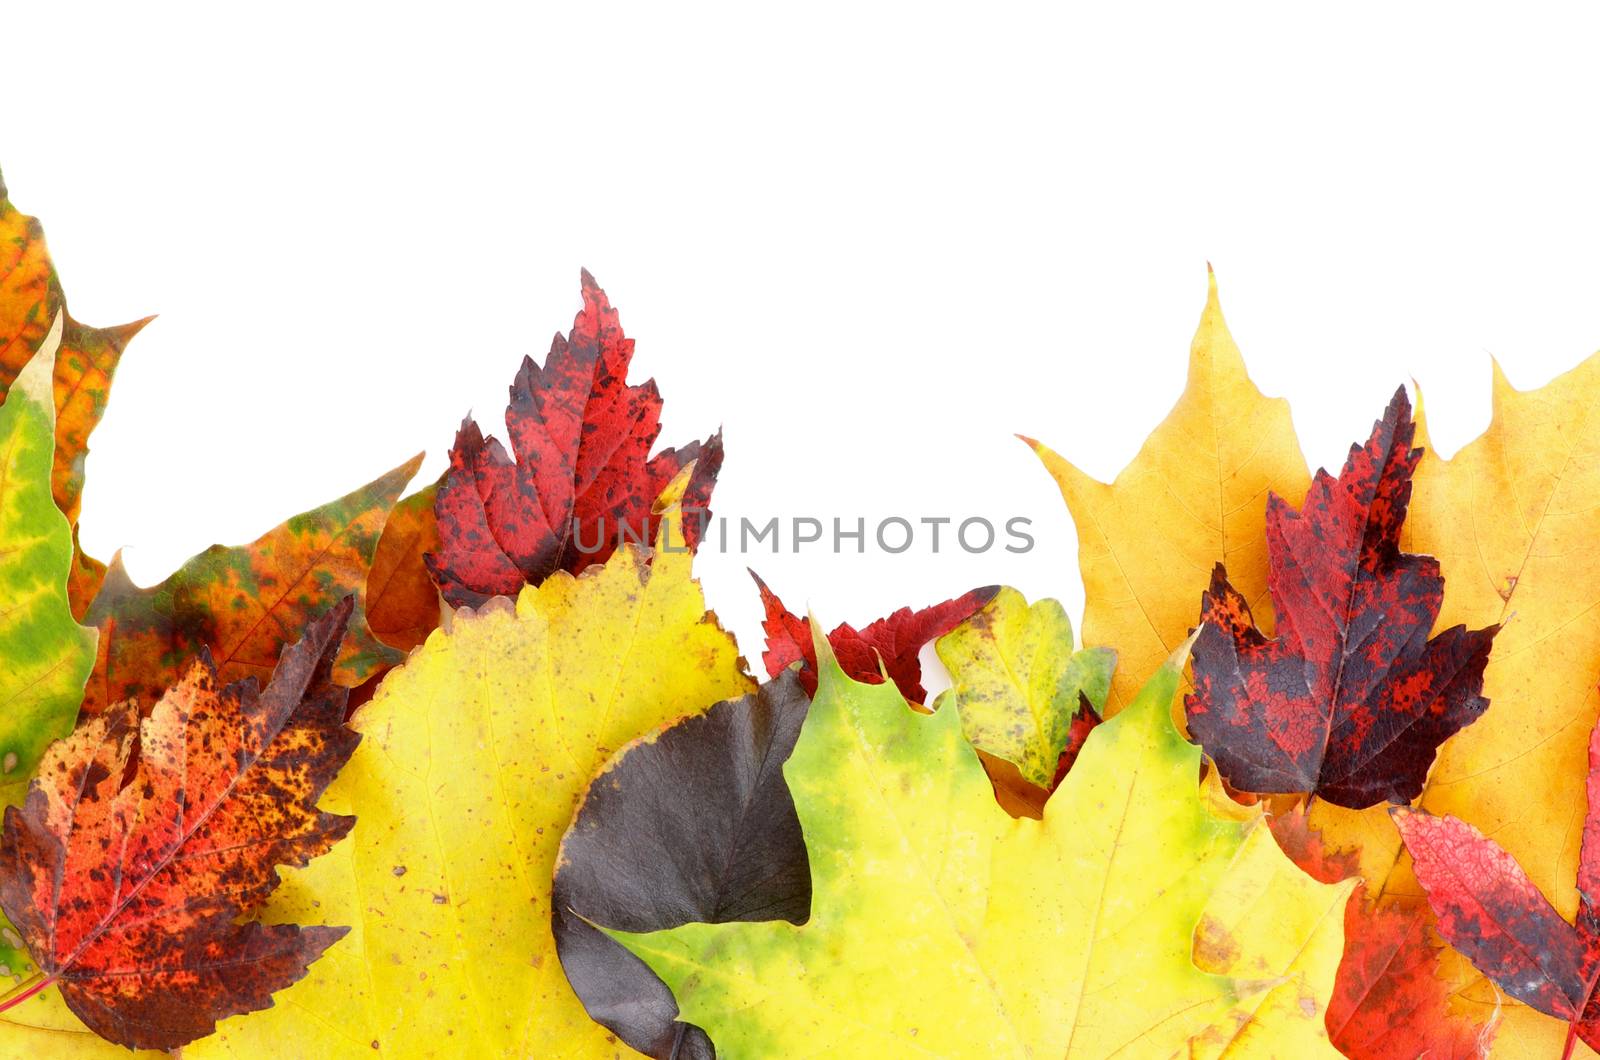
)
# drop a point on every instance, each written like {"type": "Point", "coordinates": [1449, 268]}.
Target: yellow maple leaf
{"type": "Point", "coordinates": [1195, 494]}
{"type": "Point", "coordinates": [474, 755]}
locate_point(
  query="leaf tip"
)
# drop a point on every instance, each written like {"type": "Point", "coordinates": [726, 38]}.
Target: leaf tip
{"type": "Point", "coordinates": [1180, 655]}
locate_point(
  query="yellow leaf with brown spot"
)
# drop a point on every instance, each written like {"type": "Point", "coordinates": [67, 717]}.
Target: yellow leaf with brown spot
{"type": "Point", "coordinates": [475, 755]}
{"type": "Point", "coordinates": [1195, 494]}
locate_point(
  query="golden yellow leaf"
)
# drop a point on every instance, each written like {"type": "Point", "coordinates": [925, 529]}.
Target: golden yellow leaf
{"type": "Point", "coordinates": [474, 757]}
{"type": "Point", "coordinates": [1196, 494]}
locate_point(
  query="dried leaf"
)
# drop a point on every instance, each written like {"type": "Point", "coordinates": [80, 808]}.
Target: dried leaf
{"type": "Point", "coordinates": [402, 603]}
{"type": "Point", "coordinates": [1024, 694]}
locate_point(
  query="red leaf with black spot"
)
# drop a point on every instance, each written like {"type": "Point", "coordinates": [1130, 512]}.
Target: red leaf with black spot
{"type": "Point", "coordinates": [579, 476]}
{"type": "Point", "coordinates": [1489, 909]}
{"type": "Point", "coordinates": [143, 847]}
{"type": "Point", "coordinates": [1351, 700]}
{"type": "Point", "coordinates": [889, 645]}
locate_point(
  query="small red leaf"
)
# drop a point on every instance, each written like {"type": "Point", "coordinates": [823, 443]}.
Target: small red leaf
{"type": "Point", "coordinates": [579, 476]}
{"type": "Point", "coordinates": [142, 844]}
{"type": "Point", "coordinates": [889, 645]}
{"type": "Point", "coordinates": [1351, 700]}
{"type": "Point", "coordinates": [1388, 999]}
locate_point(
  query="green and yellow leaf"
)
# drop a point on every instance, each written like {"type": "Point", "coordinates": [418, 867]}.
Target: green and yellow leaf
{"type": "Point", "coordinates": [941, 926]}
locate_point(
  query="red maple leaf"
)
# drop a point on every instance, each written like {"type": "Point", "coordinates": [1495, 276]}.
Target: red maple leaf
{"type": "Point", "coordinates": [888, 645]}
{"type": "Point", "coordinates": [579, 477]}
{"type": "Point", "coordinates": [1388, 999]}
{"type": "Point", "coordinates": [1351, 700]}
{"type": "Point", "coordinates": [141, 845]}
{"type": "Point", "coordinates": [1489, 909]}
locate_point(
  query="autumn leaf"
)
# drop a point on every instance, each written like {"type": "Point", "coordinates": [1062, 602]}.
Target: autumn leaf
{"type": "Point", "coordinates": [1389, 999]}
{"type": "Point", "coordinates": [886, 646]}
{"type": "Point", "coordinates": [941, 925]}
{"type": "Point", "coordinates": [142, 843]}
{"type": "Point", "coordinates": [243, 604]}
{"type": "Point", "coordinates": [475, 755]}
{"type": "Point", "coordinates": [402, 603]}
{"type": "Point", "coordinates": [1023, 693]}
{"type": "Point", "coordinates": [1195, 494]}
{"type": "Point", "coordinates": [1351, 700]}
{"type": "Point", "coordinates": [579, 475]}
{"type": "Point", "coordinates": [30, 300]}
{"type": "Point", "coordinates": [726, 847]}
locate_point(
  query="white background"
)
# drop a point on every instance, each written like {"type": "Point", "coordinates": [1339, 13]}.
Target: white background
{"type": "Point", "coordinates": [870, 242]}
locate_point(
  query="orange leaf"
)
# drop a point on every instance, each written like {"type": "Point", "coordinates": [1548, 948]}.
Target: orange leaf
{"type": "Point", "coordinates": [402, 603]}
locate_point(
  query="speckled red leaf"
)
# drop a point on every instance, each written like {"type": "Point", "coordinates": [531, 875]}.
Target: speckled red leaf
{"type": "Point", "coordinates": [1351, 700]}
{"type": "Point", "coordinates": [579, 475]}
{"type": "Point", "coordinates": [142, 844]}
{"type": "Point", "coordinates": [1487, 907]}
{"type": "Point", "coordinates": [1388, 999]}
{"type": "Point", "coordinates": [894, 640]}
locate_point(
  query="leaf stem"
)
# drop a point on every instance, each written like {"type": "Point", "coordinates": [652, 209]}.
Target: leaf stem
{"type": "Point", "coordinates": [26, 989]}
{"type": "Point", "coordinates": [1577, 1018]}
